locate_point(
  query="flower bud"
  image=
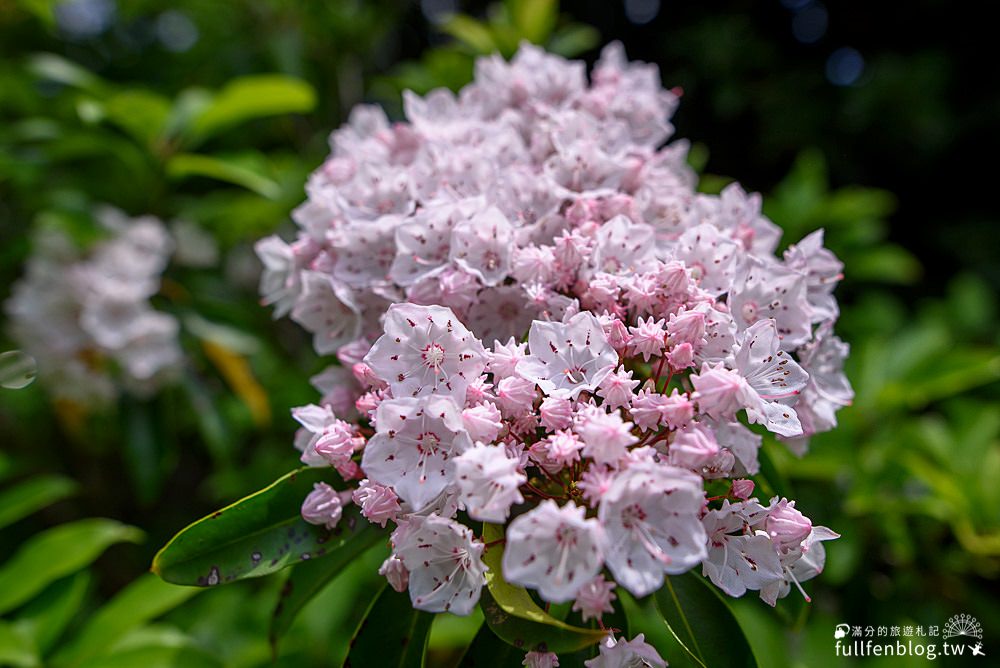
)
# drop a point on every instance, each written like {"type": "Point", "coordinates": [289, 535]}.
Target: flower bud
{"type": "Point", "coordinates": [786, 526]}
{"type": "Point", "coordinates": [323, 506]}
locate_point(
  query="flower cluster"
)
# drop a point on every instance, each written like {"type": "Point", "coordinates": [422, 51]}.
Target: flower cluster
{"type": "Point", "coordinates": [87, 318]}
{"type": "Point", "coordinates": [539, 323]}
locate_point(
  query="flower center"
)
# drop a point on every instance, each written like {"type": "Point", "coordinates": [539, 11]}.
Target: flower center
{"type": "Point", "coordinates": [749, 312]}
{"type": "Point", "coordinates": [433, 356]}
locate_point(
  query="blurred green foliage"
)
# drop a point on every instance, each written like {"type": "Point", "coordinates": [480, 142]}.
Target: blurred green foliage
{"type": "Point", "coordinates": [223, 134]}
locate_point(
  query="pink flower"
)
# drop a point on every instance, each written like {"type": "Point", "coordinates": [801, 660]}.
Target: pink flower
{"type": "Point", "coordinates": [556, 413]}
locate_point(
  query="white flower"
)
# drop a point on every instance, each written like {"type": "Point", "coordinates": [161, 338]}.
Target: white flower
{"type": "Point", "coordinates": [328, 310]}
{"type": "Point", "coordinates": [555, 550]}
{"type": "Point", "coordinates": [482, 245]}
{"type": "Point", "coordinates": [411, 450]}
{"type": "Point", "coordinates": [426, 350]}
{"type": "Point", "coordinates": [568, 358]}
{"type": "Point", "coordinates": [488, 482]}
{"type": "Point", "coordinates": [767, 289]}
{"type": "Point", "coordinates": [635, 653]}
{"type": "Point", "coordinates": [650, 515]}
{"type": "Point", "coordinates": [773, 379]}
{"type": "Point", "coordinates": [444, 561]}
{"type": "Point", "coordinates": [738, 561]}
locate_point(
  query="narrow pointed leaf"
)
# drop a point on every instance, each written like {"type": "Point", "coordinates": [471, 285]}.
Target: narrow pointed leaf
{"type": "Point", "coordinates": [392, 635]}
{"type": "Point", "coordinates": [309, 578]}
{"type": "Point", "coordinates": [56, 553]}
{"type": "Point", "coordinates": [703, 623]}
{"type": "Point", "coordinates": [512, 614]}
{"type": "Point", "coordinates": [259, 534]}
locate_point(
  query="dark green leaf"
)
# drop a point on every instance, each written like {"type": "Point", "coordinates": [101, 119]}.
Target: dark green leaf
{"type": "Point", "coordinates": [489, 651]}
{"type": "Point", "coordinates": [255, 536]}
{"type": "Point", "coordinates": [703, 623]}
{"type": "Point", "coordinates": [309, 578]}
{"type": "Point", "coordinates": [145, 599]}
{"type": "Point", "coordinates": [56, 553]}
{"type": "Point", "coordinates": [512, 614]}
{"type": "Point", "coordinates": [31, 495]}
{"type": "Point", "coordinates": [392, 634]}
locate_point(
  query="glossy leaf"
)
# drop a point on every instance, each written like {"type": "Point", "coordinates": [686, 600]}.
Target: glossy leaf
{"type": "Point", "coordinates": [309, 578]}
{"type": "Point", "coordinates": [32, 495]}
{"type": "Point", "coordinates": [392, 635]}
{"type": "Point", "coordinates": [55, 553]}
{"type": "Point", "coordinates": [703, 623]}
{"type": "Point", "coordinates": [512, 614]}
{"type": "Point", "coordinates": [259, 534]}
{"type": "Point", "coordinates": [253, 97]}
{"type": "Point", "coordinates": [145, 599]}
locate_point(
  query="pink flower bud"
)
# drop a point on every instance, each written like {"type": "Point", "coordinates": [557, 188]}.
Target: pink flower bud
{"type": "Point", "coordinates": [393, 570]}
{"type": "Point", "coordinates": [786, 526]}
{"type": "Point", "coordinates": [687, 327]}
{"type": "Point", "coordinates": [674, 278]}
{"type": "Point", "coordinates": [483, 422]}
{"type": "Point", "coordinates": [556, 413]}
{"type": "Point", "coordinates": [618, 336]}
{"type": "Point", "coordinates": [540, 660]}
{"type": "Point", "coordinates": [323, 506]}
{"type": "Point", "coordinates": [742, 489]}
{"type": "Point", "coordinates": [681, 357]}
{"type": "Point", "coordinates": [693, 447]}
{"type": "Point", "coordinates": [378, 503]}
{"type": "Point", "coordinates": [364, 375]}
{"type": "Point", "coordinates": [516, 396]}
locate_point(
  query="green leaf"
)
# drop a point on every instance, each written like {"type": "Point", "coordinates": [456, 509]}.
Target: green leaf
{"type": "Point", "coordinates": [887, 262]}
{"type": "Point", "coordinates": [489, 651]}
{"type": "Point", "coordinates": [145, 599]}
{"type": "Point", "coordinates": [512, 614]}
{"type": "Point", "coordinates": [142, 114]}
{"type": "Point", "coordinates": [703, 623]}
{"type": "Point", "coordinates": [56, 553]}
{"type": "Point", "coordinates": [60, 70]}
{"type": "Point", "coordinates": [46, 616]}
{"type": "Point", "coordinates": [252, 97]}
{"type": "Point", "coordinates": [309, 578]}
{"type": "Point", "coordinates": [259, 534]}
{"type": "Point", "coordinates": [470, 32]}
{"type": "Point", "coordinates": [224, 169]}
{"type": "Point", "coordinates": [393, 633]}
{"type": "Point", "coordinates": [535, 19]}
{"type": "Point", "coordinates": [32, 495]}
{"type": "Point", "coordinates": [157, 656]}
{"type": "Point", "coordinates": [573, 40]}
{"type": "Point", "coordinates": [16, 648]}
